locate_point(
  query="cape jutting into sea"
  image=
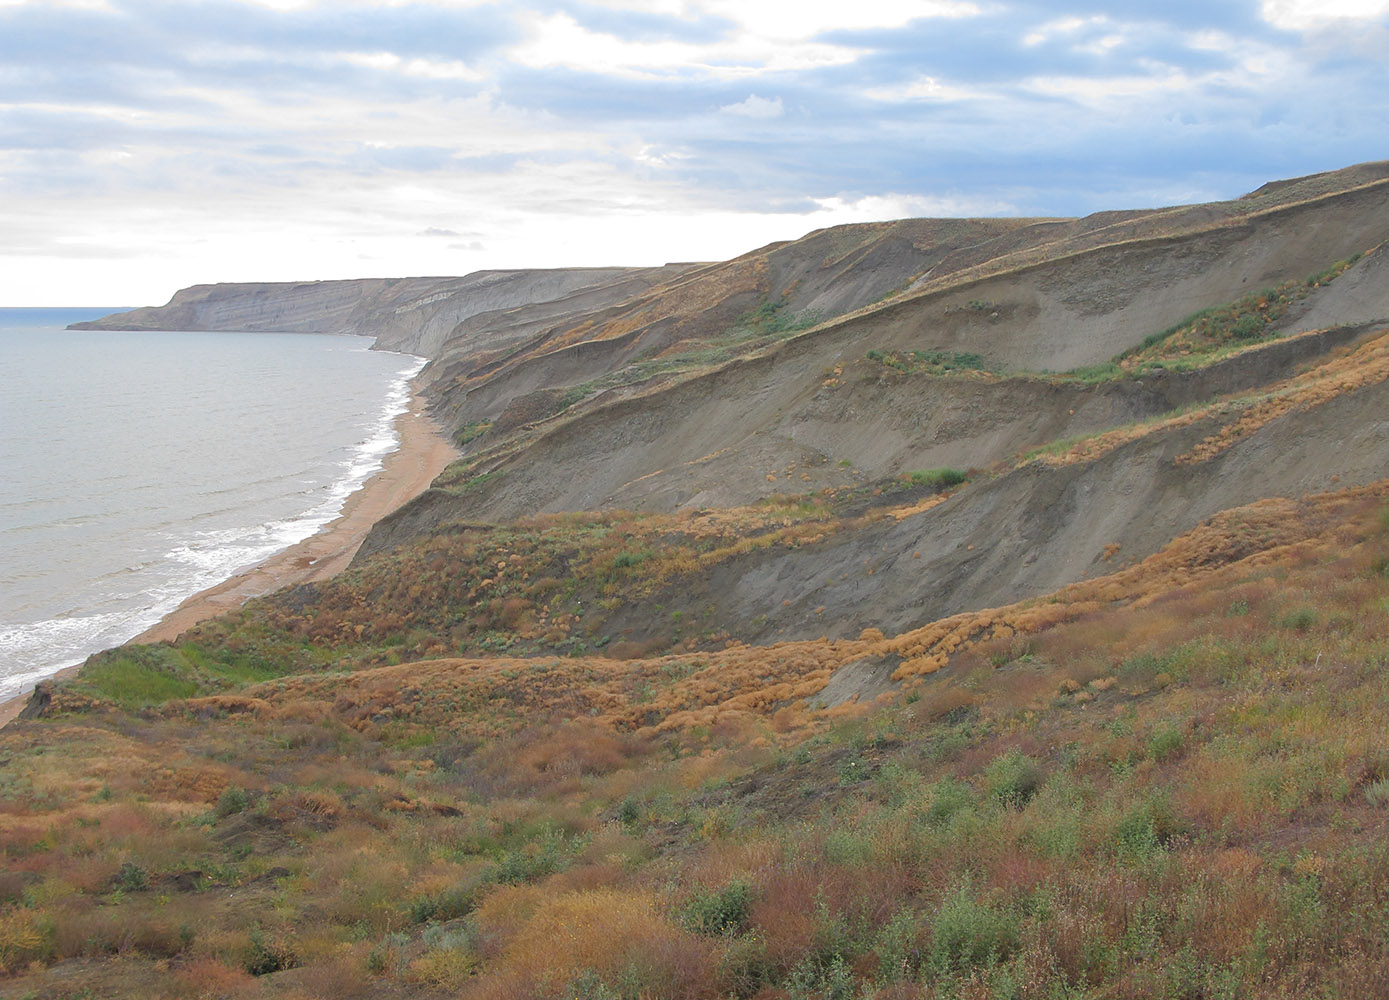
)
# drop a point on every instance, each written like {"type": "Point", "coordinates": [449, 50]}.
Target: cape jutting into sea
{"type": "Point", "coordinates": [141, 468]}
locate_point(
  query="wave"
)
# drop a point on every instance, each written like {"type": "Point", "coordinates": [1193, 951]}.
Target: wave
{"type": "Point", "coordinates": [132, 599]}
{"type": "Point", "coordinates": [46, 647]}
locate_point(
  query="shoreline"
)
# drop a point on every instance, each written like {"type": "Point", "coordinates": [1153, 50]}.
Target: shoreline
{"type": "Point", "coordinates": [422, 453]}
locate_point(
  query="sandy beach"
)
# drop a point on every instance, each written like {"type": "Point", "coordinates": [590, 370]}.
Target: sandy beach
{"type": "Point", "coordinates": [406, 472]}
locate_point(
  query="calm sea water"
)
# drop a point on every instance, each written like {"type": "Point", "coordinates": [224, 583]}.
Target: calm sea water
{"type": "Point", "coordinates": [140, 468]}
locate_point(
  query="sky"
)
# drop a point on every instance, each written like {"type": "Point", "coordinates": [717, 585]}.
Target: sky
{"type": "Point", "coordinates": [146, 145]}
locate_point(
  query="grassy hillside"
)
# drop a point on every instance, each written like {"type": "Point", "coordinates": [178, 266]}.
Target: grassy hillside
{"type": "Point", "coordinates": [802, 627]}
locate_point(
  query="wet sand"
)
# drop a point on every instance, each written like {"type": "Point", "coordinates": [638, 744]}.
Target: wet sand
{"type": "Point", "coordinates": [405, 473]}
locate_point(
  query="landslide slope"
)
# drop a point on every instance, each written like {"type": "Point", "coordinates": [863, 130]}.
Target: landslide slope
{"type": "Point", "coordinates": [700, 390]}
{"type": "Point", "coordinates": [729, 385]}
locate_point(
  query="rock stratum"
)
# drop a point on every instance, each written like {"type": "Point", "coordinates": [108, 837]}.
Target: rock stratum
{"type": "Point", "coordinates": [412, 315]}
{"type": "Point", "coordinates": [930, 609]}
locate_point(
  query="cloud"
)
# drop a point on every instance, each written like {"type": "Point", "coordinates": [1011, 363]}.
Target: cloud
{"type": "Point", "coordinates": [560, 40]}
{"type": "Point", "coordinates": [921, 88]}
{"type": "Point", "coordinates": [610, 131]}
{"type": "Point", "coordinates": [1305, 15]}
{"type": "Point", "coordinates": [755, 107]}
{"type": "Point", "coordinates": [879, 208]}
{"type": "Point", "coordinates": [813, 18]}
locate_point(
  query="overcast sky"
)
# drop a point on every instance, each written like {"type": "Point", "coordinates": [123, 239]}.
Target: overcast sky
{"type": "Point", "coordinates": [150, 144]}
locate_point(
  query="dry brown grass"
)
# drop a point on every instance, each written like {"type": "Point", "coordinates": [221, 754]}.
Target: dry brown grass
{"type": "Point", "coordinates": [546, 941]}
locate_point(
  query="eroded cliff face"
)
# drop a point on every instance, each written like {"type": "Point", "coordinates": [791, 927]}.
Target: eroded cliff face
{"type": "Point", "coordinates": [412, 315]}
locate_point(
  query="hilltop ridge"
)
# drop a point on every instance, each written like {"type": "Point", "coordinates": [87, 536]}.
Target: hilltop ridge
{"type": "Point", "coordinates": [412, 315]}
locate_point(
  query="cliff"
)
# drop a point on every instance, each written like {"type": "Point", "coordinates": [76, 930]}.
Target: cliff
{"type": "Point", "coordinates": [413, 315]}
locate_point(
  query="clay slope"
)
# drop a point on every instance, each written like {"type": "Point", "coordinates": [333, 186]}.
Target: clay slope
{"type": "Point", "coordinates": [580, 425]}
{"type": "Point", "coordinates": [706, 314]}
{"type": "Point", "coordinates": [1025, 527]}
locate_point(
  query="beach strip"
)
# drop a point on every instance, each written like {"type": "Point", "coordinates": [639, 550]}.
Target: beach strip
{"type": "Point", "coordinates": [405, 473]}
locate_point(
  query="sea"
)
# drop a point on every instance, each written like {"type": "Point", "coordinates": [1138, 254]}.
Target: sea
{"type": "Point", "coordinates": [141, 468]}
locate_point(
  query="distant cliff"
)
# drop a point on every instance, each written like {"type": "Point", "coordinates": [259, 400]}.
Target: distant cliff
{"type": "Point", "coordinates": [414, 315]}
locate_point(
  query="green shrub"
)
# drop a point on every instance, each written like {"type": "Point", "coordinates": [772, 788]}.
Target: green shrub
{"type": "Point", "coordinates": [936, 479]}
{"type": "Point", "coordinates": [472, 431]}
{"type": "Point", "coordinates": [454, 902]}
{"type": "Point", "coordinates": [137, 677]}
{"type": "Point", "coordinates": [1165, 744]}
{"type": "Point", "coordinates": [948, 360]}
{"type": "Point", "coordinates": [851, 770]}
{"type": "Point", "coordinates": [720, 911]}
{"type": "Point", "coordinates": [629, 811]}
{"type": "Point", "coordinates": [815, 980]}
{"type": "Point", "coordinates": [1377, 792]}
{"type": "Point", "coordinates": [1139, 668]}
{"type": "Point", "coordinates": [1248, 327]}
{"type": "Point", "coordinates": [232, 800]}
{"type": "Point", "coordinates": [131, 877]}
{"type": "Point", "coordinates": [948, 797]}
{"type": "Point", "coordinates": [266, 956]}
{"type": "Point", "coordinates": [897, 948]}
{"type": "Point", "coordinates": [1144, 829]}
{"type": "Point", "coordinates": [1013, 778]}
{"type": "Point", "coordinates": [967, 933]}
{"type": "Point", "coordinates": [1298, 619]}
{"type": "Point", "coordinates": [527, 865]}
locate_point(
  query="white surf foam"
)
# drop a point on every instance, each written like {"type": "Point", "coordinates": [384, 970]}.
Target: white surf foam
{"type": "Point", "coordinates": [193, 562]}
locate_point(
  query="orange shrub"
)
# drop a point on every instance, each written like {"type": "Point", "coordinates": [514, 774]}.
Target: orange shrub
{"type": "Point", "coordinates": [571, 750]}
{"type": "Point", "coordinates": [208, 977]}
{"type": "Point", "coordinates": [610, 934]}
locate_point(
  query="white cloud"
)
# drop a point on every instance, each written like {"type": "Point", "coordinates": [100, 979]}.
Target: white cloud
{"type": "Point", "coordinates": [1257, 69]}
{"type": "Point", "coordinates": [838, 211]}
{"type": "Point", "coordinates": [282, 5]}
{"type": "Point", "coordinates": [775, 19]}
{"type": "Point", "coordinates": [1097, 35]}
{"type": "Point", "coordinates": [755, 107]}
{"type": "Point", "coordinates": [430, 69]}
{"type": "Point", "coordinates": [559, 40]}
{"type": "Point", "coordinates": [1061, 26]}
{"type": "Point", "coordinates": [191, 159]}
{"type": "Point", "coordinates": [808, 18]}
{"type": "Point", "coordinates": [1102, 45]}
{"type": "Point", "coordinates": [107, 157]}
{"type": "Point", "coordinates": [103, 5]}
{"type": "Point", "coordinates": [923, 88]}
{"type": "Point", "coordinates": [653, 157]}
{"type": "Point", "coordinates": [1310, 15]}
{"type": "Point", "coordinates": [1097, 91]}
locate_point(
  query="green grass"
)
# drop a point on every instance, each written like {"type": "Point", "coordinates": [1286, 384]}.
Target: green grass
{"type": "Point", "coordinates": [937, 479]}
{"type": "Point", "coordinates": [1210, 334]}
{"type": "Point", "coordinates": [932, 362]}
{"type": "Point", "coordinates": [134, 684]}
{"type": "Point", "coordinates": [471, 431]}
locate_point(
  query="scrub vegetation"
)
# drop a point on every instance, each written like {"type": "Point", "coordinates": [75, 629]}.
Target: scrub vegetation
{"type": "Point", "coordinates": [1163, 783]}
